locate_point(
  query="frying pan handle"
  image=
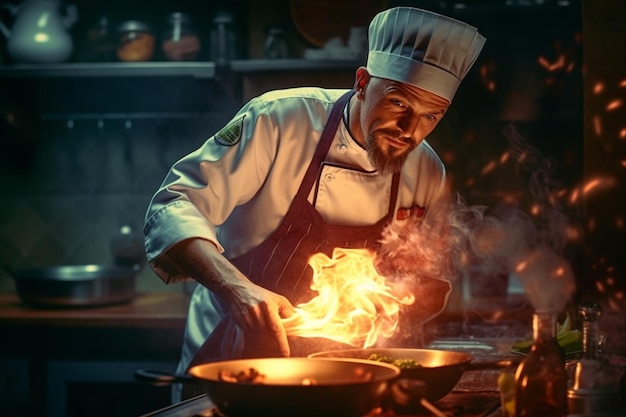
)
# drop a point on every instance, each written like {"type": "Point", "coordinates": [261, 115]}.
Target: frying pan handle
{"type": "Point", "coordinates": [499, 364]}
{"type": "Point", "coordinates": [161, 378]}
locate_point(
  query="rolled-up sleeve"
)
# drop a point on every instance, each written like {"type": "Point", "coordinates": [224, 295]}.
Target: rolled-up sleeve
{"type": "Point", "coordinates": [203, 188]}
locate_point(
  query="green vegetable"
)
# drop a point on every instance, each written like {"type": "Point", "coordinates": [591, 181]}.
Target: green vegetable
{"type": "Point", "coordinates": [570, 340]}
{"type": "Point", "coordinates": [401, 363]}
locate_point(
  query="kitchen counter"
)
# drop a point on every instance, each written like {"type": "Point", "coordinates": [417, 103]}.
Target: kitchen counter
{"type": "Point", "coordinates": [72, 358]}
{"type": "Point", "coordinates": [162, 310]}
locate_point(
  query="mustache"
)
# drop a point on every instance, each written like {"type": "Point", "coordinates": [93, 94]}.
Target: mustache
{"type": "Point", "coordinates": [395, 135]}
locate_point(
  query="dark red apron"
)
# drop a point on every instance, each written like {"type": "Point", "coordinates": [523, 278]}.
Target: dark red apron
{"type": "Point", "coordinates": [280, 263]}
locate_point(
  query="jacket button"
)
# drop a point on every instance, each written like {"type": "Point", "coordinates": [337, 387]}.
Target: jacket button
{"type": "Point", "coordinates": [329, 177]}
{"type": "Point", "coordinates": [343, 148]}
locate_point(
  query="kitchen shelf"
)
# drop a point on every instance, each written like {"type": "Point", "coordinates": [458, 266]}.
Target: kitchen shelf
{"type": "Point", "coordinates": [267, 65]}
{"type": "Point", "coordinates": [169, 69]}
{"type": "Point", "coordinates": [110, 69]}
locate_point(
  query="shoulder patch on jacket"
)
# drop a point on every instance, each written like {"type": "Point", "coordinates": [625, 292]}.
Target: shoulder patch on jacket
{"type": "Point", "coordinates": [230, 134]}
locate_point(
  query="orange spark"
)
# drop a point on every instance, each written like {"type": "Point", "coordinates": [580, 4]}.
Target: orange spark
{"type": "Point", "coordinates": [622, 133]}
{"type": "Point", "coordinates": [521, 267]}
{"type": "Point", "coordinates": [597, 125]}
{"type": "Point", "coordinates": [591, 185]}
{"type": "Point", "coordinates": [559, 272]}
{"type": "Point", "coordinates": [598, 88]}
{"type": "Point", "coordinates": [613, 105]}
{"type": "Point", "coordinates": [624, 163]}
{"type": "Point", "coordinates": [552, 66]}
{"type": "Point", "coordinates": [622, 83]}
{"type": "Point", "coordinates": [600, 286]}
{"type": "Point", "coordinates": [505, 157]}
{"type": "Point", "coordinates": [535, 209]}
{"type": "Point", "coordinates": [488, 168]}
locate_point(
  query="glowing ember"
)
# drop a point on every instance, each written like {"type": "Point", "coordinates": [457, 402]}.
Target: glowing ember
{"type": "Point", "coordinates": [613, 105]}
{"type": "Point", "coordinates": [355, 304]}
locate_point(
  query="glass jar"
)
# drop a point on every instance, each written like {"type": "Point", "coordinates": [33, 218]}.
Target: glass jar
{"type": "Point", "coordinates": [135, 41]}
{"type": "Point", "coordinates": [100, 41]}
{"type": "Point", "coordinates": [541, 379]}
{"type": "Point", "coordinates": [224, 46]}
{"type": "Point", "coordinates": [276, 46]}
{"type": "Point", "coordinates": [180, 40]}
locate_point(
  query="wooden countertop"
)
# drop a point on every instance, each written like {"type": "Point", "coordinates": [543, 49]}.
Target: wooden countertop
{"type": "Point", "coordinates": [160, 310]}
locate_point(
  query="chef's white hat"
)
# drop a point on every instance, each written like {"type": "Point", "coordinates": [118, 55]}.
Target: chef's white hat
{"type": "Point", "coordinates": [422, 48]}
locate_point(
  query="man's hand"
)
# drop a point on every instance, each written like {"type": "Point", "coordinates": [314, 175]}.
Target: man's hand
{"type": "Point", "coordinates": [256, 310]}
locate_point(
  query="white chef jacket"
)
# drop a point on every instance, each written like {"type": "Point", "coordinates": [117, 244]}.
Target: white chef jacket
{"type": "Point", "coordinates": [236, 187]}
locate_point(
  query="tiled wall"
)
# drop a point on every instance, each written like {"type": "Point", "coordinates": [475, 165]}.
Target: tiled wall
{"type": "Point", "coordinates": [66, 193]}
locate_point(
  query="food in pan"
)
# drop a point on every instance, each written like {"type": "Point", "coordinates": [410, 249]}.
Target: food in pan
{"type": "Point", "coordinates": [402, 363]}
{"type": "Point", "coordinates": [247, 376]}
{"type": "Point", "coordinates": [253, 376]}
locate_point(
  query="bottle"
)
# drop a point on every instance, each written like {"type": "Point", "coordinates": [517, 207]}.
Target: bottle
{"type": "Point", "coordinates": [223, 39]}
{"type": "Point", "coordinates": [541, 379]}
{"type": "Point", "coordinates": [180, 40]}
{"type": "Point", "coordinates": [276, 46]}
{"type": "Point", "coordinates": [100, 42]}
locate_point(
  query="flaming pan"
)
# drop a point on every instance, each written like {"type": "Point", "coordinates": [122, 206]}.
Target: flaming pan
{"type": "Point", "coordinates": [291, 387]}
{"type": "Point", "coordinates": [439, 370]}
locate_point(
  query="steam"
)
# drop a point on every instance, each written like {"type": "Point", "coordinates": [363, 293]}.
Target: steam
{"type": "Point", "coordinates": [508, 238]}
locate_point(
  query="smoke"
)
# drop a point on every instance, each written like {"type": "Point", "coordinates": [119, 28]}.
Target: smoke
{"type": "Point", "coordinates": [526, 237]}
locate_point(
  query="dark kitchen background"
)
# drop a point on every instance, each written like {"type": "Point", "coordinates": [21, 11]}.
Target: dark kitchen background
{"type": "Point", "coordinates": [84, 147]}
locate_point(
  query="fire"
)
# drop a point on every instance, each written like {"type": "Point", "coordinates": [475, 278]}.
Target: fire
{"type": "Point", "coordinates": [355, 305]}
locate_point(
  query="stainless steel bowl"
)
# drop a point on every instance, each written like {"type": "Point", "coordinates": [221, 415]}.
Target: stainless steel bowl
{"type": "Point", "coordinates": [76, 285]}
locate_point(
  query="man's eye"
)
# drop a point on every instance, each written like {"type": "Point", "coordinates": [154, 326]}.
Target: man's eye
{"type": "Point", "coordinates": [398, 103]}
{"type": "Point", "coordinates": [430, 117]}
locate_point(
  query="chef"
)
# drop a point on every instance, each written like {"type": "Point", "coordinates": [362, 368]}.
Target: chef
{"type": "Point", "coordinates": [301, 171]}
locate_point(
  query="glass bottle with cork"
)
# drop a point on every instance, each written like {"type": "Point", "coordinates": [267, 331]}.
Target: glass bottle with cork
{"type": "Point", "coordinates": [541, 378]}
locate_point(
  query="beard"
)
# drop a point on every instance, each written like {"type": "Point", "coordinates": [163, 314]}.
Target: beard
{"type": "Point", "coordinates": [383, 159]}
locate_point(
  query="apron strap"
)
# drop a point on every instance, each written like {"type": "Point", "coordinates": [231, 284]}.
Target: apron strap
{"type": "Point", "coordinates": [326, 140]}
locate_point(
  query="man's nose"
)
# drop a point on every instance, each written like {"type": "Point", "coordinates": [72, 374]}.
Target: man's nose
{"type": "Point", "coordinates": [410, 128]}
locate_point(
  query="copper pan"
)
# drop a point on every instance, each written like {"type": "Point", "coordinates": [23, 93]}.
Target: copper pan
{"type": "Point", "coordinates": [440, 370]}
{"type": "Point", "coordinates": [333, 387]}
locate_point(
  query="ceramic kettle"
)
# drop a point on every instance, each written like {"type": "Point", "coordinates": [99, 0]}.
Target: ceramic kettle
{"type": "Point", "coordinates": [39, 33]}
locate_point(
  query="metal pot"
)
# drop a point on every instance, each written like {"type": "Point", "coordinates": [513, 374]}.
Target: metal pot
{"type": "Point", "coordinates": [339, 389]}
{"type": "Point", "coordinates": [76, 285]}
{"type": "Point", "coordinates": [440, 370]}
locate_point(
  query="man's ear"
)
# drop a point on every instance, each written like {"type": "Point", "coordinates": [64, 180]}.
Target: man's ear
{"type": "Point", "coordinates": [361, 80]}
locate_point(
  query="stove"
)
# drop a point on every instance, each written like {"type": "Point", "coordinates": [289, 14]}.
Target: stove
{"type": "Point", "coordinates": [459, 403]}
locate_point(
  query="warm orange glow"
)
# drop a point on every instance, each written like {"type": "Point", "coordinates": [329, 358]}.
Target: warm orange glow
{"type": "Point", "coordinates": [600, 286]}
{"type": "Point", "coordinates": [553, 66]}
{"type": "Point", "coordinates": [559, 272]}
{"type": "Point", "coordinates": [505, 157]}
{"type": "Point", "coordinates": [597, 125]}
{"type": "Point", "coordinates": [622, 133]}
{"type": "Point", "coordinates": [535, 210]}
{"type": "Point", "coordinates": [354, 305]}
{"type": "Point", "coordinates": [591, 185]}
{"type": "Point", "coordinates": [598, 88]}
{"type": "Point", "coordinates": [622, 83]}
{"type": "Point", "coordinates": [624, 163]}
{"type": "Point", "coordinates": [488, 168]}
{"type": "Point", "coordinates": [613, 105]}
{"type": "Point", "coordinates": [573, 233]}
{"type": "Point", "coordinates": [521, 266]}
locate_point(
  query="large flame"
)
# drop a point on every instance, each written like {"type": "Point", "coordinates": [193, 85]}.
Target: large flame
{"type": "Point", "coordinates": [355, 305]}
